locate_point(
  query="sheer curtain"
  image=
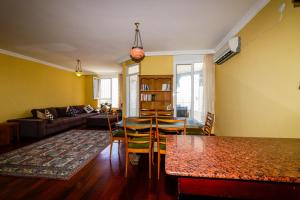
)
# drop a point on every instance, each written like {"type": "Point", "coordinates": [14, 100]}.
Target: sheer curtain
{"type": "Point", "coordinates": [208, 86]}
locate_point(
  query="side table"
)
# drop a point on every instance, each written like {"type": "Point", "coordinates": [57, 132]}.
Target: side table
{"type": "Point", "coordinates": [7, 130]}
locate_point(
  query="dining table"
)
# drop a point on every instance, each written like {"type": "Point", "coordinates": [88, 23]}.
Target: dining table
{"type": "Point", "coordinates": [234, 167]}
{"type": "Point", "coordinates": [190, 123]}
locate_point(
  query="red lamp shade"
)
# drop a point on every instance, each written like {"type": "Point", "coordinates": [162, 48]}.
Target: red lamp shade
{"type": "Point", "coordinates": [137, 53]}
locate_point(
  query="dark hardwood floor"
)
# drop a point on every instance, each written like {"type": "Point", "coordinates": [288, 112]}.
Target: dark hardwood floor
{"type": "Point", "coordinates": [102, 178]}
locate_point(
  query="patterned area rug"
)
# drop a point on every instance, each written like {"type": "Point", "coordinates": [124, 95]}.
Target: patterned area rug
{"type": "Point", "coordinates": [58, 157]}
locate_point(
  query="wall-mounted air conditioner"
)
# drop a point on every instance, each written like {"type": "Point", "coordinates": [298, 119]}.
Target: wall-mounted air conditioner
{"type": "Point", "coordinates": [232, 47]}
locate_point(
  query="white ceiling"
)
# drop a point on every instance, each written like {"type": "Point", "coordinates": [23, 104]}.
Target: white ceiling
{"type": "Point", "coordinates": [100, 32]}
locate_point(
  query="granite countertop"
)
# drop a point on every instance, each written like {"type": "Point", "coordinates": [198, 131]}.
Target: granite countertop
{"type": "Point", "coordinates": [254, 159]}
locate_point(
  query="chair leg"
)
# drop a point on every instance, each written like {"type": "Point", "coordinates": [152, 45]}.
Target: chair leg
{"type": "Point", "coordinates": [111, 144]}
{"type": "Point", "coordinates": [158, 165]}
{"type": "Point", "coordinates": [126, 163]}
{"type": "Point", "coordinates": [150, 164]}
{"type": "Point", "coordinates": [152, 156]}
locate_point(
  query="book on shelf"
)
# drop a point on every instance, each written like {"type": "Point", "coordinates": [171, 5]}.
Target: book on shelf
{"type": "Point", "coordinates": [166, 87]}
{"type": "Point", "coordinates": [147, 97]}
{"type": "Point", "coordinates": [145, 87]}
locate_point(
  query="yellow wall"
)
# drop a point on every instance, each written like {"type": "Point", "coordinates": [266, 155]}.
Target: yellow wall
{"type": "Point", "coordinates": [89, 99]}
{"type": "Point", "coordinates": [157, 65]}
{"type": "Point", "coordinates": [257, 90]}
{"type": "Point", "coordinates": [150, 65]}
{"type": "Point", "coordinates": [25, 85]}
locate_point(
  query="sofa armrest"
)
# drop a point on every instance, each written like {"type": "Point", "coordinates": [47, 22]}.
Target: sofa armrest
{"type": "Point", "coordinates": [32, 127]}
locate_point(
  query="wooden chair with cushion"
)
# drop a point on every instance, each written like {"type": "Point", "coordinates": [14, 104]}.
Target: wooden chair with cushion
{"type": "Point", "coordinates": [138, 138]}
{"type": "Point", "coordinates": [209, 122]}
{"type": "Point", "coordinates": [163, 128]}
{"type": "Point", "coordinates": [116, 133]}
{"type": "Point", "coordinates": [206, 129]}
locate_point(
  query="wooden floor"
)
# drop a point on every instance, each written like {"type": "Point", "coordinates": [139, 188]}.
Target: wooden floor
{"type": "Point", "coordinates": [100, 179]}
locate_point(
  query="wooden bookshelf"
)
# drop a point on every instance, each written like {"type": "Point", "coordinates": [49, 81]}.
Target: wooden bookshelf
{"type": "Point", "coordinates": [156, 95]}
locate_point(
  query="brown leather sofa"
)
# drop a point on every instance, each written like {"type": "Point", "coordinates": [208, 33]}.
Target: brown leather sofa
{"type": "Point", "coordinates": [34, 127]}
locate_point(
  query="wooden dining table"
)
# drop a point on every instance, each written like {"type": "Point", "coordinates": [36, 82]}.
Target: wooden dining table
{"type": "Point", "coordinates": [235, 167]}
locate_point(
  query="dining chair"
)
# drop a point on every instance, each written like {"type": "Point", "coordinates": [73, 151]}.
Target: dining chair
{"type": "Point", "coordinates": [116, 133]}
{"type": "Point", "coordinates": [163, 114]}
{"type": "Point", "coordinates": [163, 128]}
{"type": "Point", "coordinates": [138, 139]}
{"type": "Point", "coordinates": [147, 113]}
{"type": "Point", "coordinates": [209, 122]}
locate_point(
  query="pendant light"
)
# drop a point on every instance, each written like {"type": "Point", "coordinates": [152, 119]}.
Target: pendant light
{"type": "Point", "coordinates": [137, 53]}
{"type": "Point", "coordinates": [78, 70]}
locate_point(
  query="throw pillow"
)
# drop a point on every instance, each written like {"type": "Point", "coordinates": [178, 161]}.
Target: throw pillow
{"type": "Point", "coordinates": [53, 112]}
{"type": "Point", "coordinates": [48, 115]}
{"type": "Point", "coordinates": [71, 111]}
{"type": "Point", "coordinates": [79, 109]}
{"type": "Point", "coordinates": [105, 109]}
{"type": "Point", "coordinates": [88, 108]}
{"type": "Point", "coordinates": [40, 115]}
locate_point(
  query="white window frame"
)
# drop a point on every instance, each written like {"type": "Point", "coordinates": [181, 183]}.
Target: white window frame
{"type": "Point", "coordinates": [105, 99]}
{"type": "Point", "coordinates": [99, 86]}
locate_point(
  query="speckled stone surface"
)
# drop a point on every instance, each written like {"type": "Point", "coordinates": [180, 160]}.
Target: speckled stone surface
{"type": "Point", "coordinates": [255, 159]}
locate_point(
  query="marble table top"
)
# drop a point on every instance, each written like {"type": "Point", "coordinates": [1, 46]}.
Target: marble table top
{"type": "Point", "coordinates": [252, 159]}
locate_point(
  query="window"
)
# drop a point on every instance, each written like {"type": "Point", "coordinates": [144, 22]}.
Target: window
{"type": "Point", "coordinates": [189, 90]}
{"type": "Point", "coordinates": [109, 91]}
{"type": "Point", "coordinates": [132, 86]}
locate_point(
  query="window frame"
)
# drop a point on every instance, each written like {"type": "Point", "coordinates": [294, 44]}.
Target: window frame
{"type": "Point", "coordinates": [111, 92]}
{"type": "Point", "coordinates": [128, 89]}
{"type": "Point", "coordinates": [185, 60]}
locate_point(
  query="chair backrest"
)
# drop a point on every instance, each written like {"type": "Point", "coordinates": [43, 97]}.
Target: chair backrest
{"type": "Point", "coordinates": [209, 122]}
{"type": "Point", "coordinates": [168, 126]}
{"type": "Point", "coordinates": [147, 114]}
{"type": "Point", "coordinates": [161, 114]}
{"type": "Point", "coordinates": [138, 128]}
{"type": "Point", "coordinates": [171, 125]}
{"type": "Point", "coordinates": [112, 120]}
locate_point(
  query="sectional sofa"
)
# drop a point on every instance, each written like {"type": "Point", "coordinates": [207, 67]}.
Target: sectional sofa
{"type": "Point", "coordinates": [37, 128]}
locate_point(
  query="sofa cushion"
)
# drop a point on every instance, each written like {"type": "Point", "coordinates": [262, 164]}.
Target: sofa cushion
{"type": "Point", "coordinates": [71, 111]}
{"type": "Point", "coordinates": [105, 107]}
{"type": "Point", "coordinates": [40, 115]}
{"type": "Point", "coordinates": [53, 112]}
{"type": "Point", "coordinates": [48, 115]}
{"type": "Point", "coordinates": [87, 114]}
{"type": "Point", "coordinates": [88, 109]}
{"type": "Point", "coordinates": [61, 111]}
{"type": "Point", "coordinates": [34, 114]}
{"type": "Point", "coordinates": [42, 110]}
{"type": "Point", "coordinates": [79, 109]}
{"type": "Point", "coordinates": [55, 126]}
{"type": "Point", "coordinates": [73, 121]}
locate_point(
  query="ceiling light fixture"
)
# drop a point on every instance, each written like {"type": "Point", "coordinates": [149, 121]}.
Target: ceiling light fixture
{"type": "Point", "coordinates": [78, 70]}
{"type": "Point", "coordinates": [137, 53]}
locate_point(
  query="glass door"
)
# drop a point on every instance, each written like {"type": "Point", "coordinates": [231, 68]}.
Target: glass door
{"type": "Point", "coordinates": [189, 90]}
{"type": "Point", "coordinates": [132, 91]}
{"type": "Point", "coordinates": [183, 90]}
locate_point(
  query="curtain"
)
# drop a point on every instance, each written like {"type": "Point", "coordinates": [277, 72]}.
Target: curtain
{"type": "Point", "coordinates": [120, 90]}
{"type": "Point", "coordinates": [208, 86]}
